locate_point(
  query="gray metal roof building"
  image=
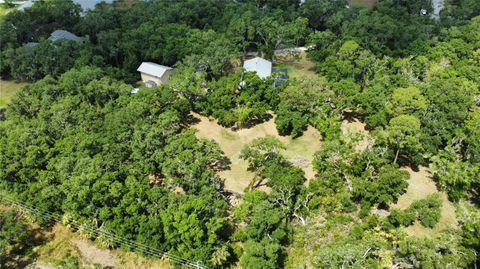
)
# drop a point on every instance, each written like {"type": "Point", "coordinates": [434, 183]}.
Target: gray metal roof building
{"type": "Point", "coordinates": [62, 34]}
{"type": "Point", "coordinates": [153, 69]}
{"type": "Point", "coordinates": [262, 67]}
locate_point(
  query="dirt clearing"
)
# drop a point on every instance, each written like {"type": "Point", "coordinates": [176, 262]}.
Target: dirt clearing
{"type": "Point", "coordinates": [420, 186]}
{"type": "Point", "coordinates": [354, 126]}
{"type": "Point", "coordinates": [66, 243]}
{"type": "Point", "coordinates": [299, 150]}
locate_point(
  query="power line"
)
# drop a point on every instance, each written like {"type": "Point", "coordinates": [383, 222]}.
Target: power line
{"type": "Point", "coordinates": [109, 235]}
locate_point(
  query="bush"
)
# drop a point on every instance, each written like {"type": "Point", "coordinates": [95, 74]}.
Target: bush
{"type": "Point", "coordinates": [428, 210]}
{"type": "Point", "coordinates": [402, 217]}
{"type": "Point", "coordinates": [16, 239]}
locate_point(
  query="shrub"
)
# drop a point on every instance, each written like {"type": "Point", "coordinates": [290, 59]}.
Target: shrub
{"type": "Point", "coordinates": [428, 210]}
{"type": "Point", "coordinates": [402, 217]}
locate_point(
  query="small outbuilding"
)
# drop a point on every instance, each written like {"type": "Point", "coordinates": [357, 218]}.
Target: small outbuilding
{"type": "Point", "coordinates": [262, 67]}
{"type": "Point", "coordinates": [154, 74]}
{"type": "Point", "coordinates": [63, 35]}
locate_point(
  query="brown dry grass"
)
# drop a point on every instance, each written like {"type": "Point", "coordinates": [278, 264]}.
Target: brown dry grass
{"type": "Point", "coordinates": [64, 241]}
{"type": "Point", "coordinates": [355, 126]}
{"type": "Point", "coordinates": [420, 186]}
{"type": "Point", "coordinates": [231, 142]}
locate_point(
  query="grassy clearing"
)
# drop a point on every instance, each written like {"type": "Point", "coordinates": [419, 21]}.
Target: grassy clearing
{"type": "Point", "coordinates": [354, 126]}
{"type": "Point", "coordinates": [297, 68]}
{"type": "Point", "coordinates": [363, 3]}
{"type": "Point", "coordinates": [420, 186]}
{"type": "Point", "coordinates": [65, 243]}
{"type": "Point", "coordinates": [7, 90]}
{"type": "Point", "coordinates": [4, 9]}
{"type": "Point", "coordinates": [231, 142]}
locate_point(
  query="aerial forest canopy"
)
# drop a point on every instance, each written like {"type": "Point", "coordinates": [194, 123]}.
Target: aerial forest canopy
{"type": "Point", "coordinates": [79, 143]}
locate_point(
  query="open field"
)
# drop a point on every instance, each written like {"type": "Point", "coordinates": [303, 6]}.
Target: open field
{"type": "Point", "coordinates": [8, 89]}
{"type": "Point", "coordinates": [363, 3]}
{"type": "Point", "coordinates": [231, 142]}
{"type": "Point", "coordinates": [297, 68]}
{"type": "Point", "coordinates": [420, 186]}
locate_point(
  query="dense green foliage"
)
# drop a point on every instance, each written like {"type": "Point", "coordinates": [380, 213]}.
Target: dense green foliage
{"type": "Point", "coordinates": [77, 142]}
{"type": "Point", "coordinates": [16, 239]}
{"type": "Point", "coordinates": [427, 211]}
{"type": "Point", "coordinates": [94, 146]}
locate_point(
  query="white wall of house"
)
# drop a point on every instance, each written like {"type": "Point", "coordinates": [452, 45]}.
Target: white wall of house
{"type": "Point", "coordinates": [158, 80]}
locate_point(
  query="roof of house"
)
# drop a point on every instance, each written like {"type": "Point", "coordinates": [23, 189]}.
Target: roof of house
{"type": "Point", "coordinates": [262, 67]}
{"type": "Point", "coordinates": [26, 4]}
{"type": "Point", "coordinates": [62, 34]}
{"type": "Point", "coordinates": [153, 69]}
{"type": "Point", "coordinates": [31, 44]}
{"type": "Point", "coordinates": [85, 4]}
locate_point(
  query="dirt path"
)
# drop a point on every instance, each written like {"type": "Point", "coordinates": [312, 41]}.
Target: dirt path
{"type": "Point", "coordinates": [300, 150]}
{"type": "Point", "coordinates": [94, 255]}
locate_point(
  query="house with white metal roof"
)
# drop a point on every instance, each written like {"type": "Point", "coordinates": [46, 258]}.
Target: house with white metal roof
{"type": "Point", "coordinates": [154, 74]}
{"type": "Point", "coordinates": [262, 67]}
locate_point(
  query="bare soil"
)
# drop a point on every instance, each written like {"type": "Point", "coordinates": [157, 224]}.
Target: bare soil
{"type": "Point", "coordinates": [355, 126]}
{"type": "Point", "coordinates": [420, 186]}
{"type": "Point", "coordinates": [231, 142]}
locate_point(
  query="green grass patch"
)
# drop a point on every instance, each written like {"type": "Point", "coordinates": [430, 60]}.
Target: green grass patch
{"type": "Point", "coordinates": [4, 9]}
{"type": "Point", "coordinates": [228, 135]}
{"type": "Point", "coordinates": [8, 88]}
{"type": "Point", "coordinates": [297, 67]}
{"type": "Point", "coordinates": [363, 3]}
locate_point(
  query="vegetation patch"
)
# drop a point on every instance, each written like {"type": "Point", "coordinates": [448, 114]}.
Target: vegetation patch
{"type": "Point", "coordinates": [4, 9]}
{"type": "Point", "coordinates": [297, 65]}
{"type": "Point", "coordinates": [8, 88]}
{"type": "Point", "coordinates": [363, 3]}
{"type": "Point", "coordinates": [69, 248]}
{"type": "Point", "coordinates": [420, 186]}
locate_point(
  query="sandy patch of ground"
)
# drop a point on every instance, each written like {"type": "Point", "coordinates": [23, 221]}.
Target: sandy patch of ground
{"type": "Point", "coordinates": [94, 255]}
{"type": "Point", "coordinates": [231, 142]}
{"type": "Point", "coordinates": [420, 186]}
{"type": "Point", "coordinates": [355, 126]}
{"type": "Point", "coordinates": [64, 242]}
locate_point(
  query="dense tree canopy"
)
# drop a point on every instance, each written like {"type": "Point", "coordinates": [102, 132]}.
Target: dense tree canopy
{"type": "Point", "coordinates": [79, 143]}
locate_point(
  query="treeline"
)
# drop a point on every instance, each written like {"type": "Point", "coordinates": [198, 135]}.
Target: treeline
{"type": "Point", "coordinates": [209, 35]}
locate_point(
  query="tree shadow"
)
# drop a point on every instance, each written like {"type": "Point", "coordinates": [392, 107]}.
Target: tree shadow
{"type": "Point", "coordinates": [191, 120]}
{"type": "Point", "coordinates": [253, 122]}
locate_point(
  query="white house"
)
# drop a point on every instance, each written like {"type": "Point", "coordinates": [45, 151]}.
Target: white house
{"type": "Point", "coordinates": [262, 67]}
{"type": "Point", "coordinates": [154, 74]}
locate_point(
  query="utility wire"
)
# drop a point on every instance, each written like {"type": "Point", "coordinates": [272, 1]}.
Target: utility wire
{"type": "Point", "coordinates": [109, 235]}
